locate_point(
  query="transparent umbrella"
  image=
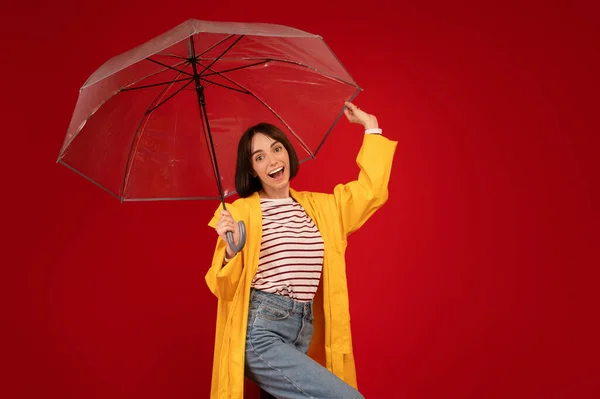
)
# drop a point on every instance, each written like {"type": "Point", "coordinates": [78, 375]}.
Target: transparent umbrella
{"type": "Point", "coordinates": [162, 121]}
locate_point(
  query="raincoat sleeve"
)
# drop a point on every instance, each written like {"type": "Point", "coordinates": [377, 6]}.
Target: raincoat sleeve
{"type": "Point", "coordinates": [356, 201]}
{"type": "Point", "coordinates": [222, 280]}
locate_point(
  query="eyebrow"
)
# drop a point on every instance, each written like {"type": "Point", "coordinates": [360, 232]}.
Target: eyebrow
{"type": "Point", "coordinates": [274, 143]}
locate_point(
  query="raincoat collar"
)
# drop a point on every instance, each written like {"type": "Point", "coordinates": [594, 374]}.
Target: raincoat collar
{"type": "Point", "coordinates": [254, 201]}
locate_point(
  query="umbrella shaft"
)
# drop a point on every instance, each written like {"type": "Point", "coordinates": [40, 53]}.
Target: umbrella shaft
{"type": "Point", "coordinates": [202, 107]}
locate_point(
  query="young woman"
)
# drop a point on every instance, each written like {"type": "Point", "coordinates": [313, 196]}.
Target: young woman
{"type": "Point", "coordinates": [283, 312]}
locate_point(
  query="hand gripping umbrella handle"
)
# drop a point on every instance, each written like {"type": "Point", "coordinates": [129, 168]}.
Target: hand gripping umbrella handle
{"type": "Point", "coordinates": [237, 248]}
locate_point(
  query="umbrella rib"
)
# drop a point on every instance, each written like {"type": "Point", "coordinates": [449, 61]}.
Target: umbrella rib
{"type": "Point", "coordinates": [335, 122]}
{"type": "Point", "coordinates": [302, 143]}
{"type": "Point", "coordinates": [224, 86]}
{"type": "Point", "coordinates": [203, 77]}
{"type": "Point", "coordinates": [66, 147]}
{"type": "Point", "coordinates": [156, 84]}
{"type": "Point", "coordinates": [179, 57]}
{"type": "Point", "coordinates": [128, 86]}
{"type": "Point", "coordinates": [199, 55]}
{"type": "Point", "coordinates": [133, 141]}
{"type": "Point", "coordinates": [222, 54]}
{"type": "Point", "coordinates": [327, 75]}
{"type": "Point", "coordinates": [214, 45]}
{"type": "Point", "coordinates": [264, 61]}
{"type": "Point", "coordinates": [172, 199]}
{"type": "Point", "coordinates": [170, 67]}
{"type": "Point", "coordinates": [80, 173]}
{"type": "Point", "coordinates": [168, 98]}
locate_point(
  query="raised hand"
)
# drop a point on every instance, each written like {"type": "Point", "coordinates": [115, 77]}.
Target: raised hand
{"type": "Point", "coordinates": [356, 115]}
{"type": "Point", "coordinates": [227, 223]}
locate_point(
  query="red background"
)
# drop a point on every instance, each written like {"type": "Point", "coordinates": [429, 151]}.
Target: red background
{"type": "Point", "coordinates": [478, 279]}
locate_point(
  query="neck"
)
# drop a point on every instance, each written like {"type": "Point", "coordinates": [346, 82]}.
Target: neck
{"type": "Point", "coordinates": [275, 194]}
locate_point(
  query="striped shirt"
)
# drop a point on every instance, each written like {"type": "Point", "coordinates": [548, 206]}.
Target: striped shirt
{"type": "Point", "coordinates": [291, 251]}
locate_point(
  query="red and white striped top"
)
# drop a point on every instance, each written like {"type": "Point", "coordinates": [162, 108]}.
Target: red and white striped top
{"type": "Point", "coordinates": [291, 252]}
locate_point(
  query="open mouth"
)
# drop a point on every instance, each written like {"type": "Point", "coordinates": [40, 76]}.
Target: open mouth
{"type": "Point", "coordinates": [277, 173]}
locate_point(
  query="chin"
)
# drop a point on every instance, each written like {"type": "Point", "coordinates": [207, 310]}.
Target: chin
{"type": "Point", "coordinates": [281, 185]}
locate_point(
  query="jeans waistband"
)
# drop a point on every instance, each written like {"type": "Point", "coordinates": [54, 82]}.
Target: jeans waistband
{"type": "Point", "coordinates": [304, 308]}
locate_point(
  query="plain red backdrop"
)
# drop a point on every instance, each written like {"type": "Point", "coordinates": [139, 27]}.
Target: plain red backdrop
{"type": "Point", "coordinates": [478, 279]}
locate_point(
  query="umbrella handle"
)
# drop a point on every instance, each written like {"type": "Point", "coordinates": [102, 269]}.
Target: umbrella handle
{"type": "Point", "coordinates": [240, 245]}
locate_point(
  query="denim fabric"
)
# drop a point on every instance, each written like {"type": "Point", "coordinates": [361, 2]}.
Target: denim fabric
{"type": "Point", "coordinates": [277, 339]}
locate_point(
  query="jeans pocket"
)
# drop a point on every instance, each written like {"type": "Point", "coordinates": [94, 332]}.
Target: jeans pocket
{"type": "Point", "coordinates": [254, 304]}
{"type": "Point", "coordinates": [268, 311]}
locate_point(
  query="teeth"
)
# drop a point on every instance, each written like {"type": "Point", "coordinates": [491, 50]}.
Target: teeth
{"type": "Point", "coordinates": [275, 171]}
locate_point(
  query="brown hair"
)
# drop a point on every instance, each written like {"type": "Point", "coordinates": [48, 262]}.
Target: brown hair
{"type": "Point", "coordinates": [245, 182]}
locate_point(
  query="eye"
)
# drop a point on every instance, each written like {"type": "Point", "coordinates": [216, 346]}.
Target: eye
{"type": "Point", "coordinates": [278, 148]}
{"type": "Point", "coordinates": [258, 158]}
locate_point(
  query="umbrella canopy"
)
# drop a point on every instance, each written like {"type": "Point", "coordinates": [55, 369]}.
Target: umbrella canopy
{"type": "Point", "coordinates": [162, 121]}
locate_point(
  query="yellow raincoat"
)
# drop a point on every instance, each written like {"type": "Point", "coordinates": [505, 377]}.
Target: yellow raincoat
{"type": "Point", "coordinates": [336, 216]}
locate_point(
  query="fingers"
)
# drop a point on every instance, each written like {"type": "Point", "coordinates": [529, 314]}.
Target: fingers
{"type": "Point", "coordinates": [351, 105]}
{"type": "Point", "coordinates": [351, 108]}
{"type": "Point", "coordinates": [223, 228]}
{"type": "Point", "coordinates": [353, 113]}
{"type": "Point", "coordinates": [226, 217]}
{"type": "Point", "coordinates": [226, 223]}
{"type": "Point", "coordinates": [356, 115]}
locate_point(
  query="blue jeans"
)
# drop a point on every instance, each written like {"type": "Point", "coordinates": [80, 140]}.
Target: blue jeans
{"type": "Point", "coordinates": [278, 336]}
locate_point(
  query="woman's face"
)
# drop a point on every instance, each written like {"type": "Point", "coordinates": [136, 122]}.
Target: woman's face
{"type": "Point", "coordinates": [271, 161]}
